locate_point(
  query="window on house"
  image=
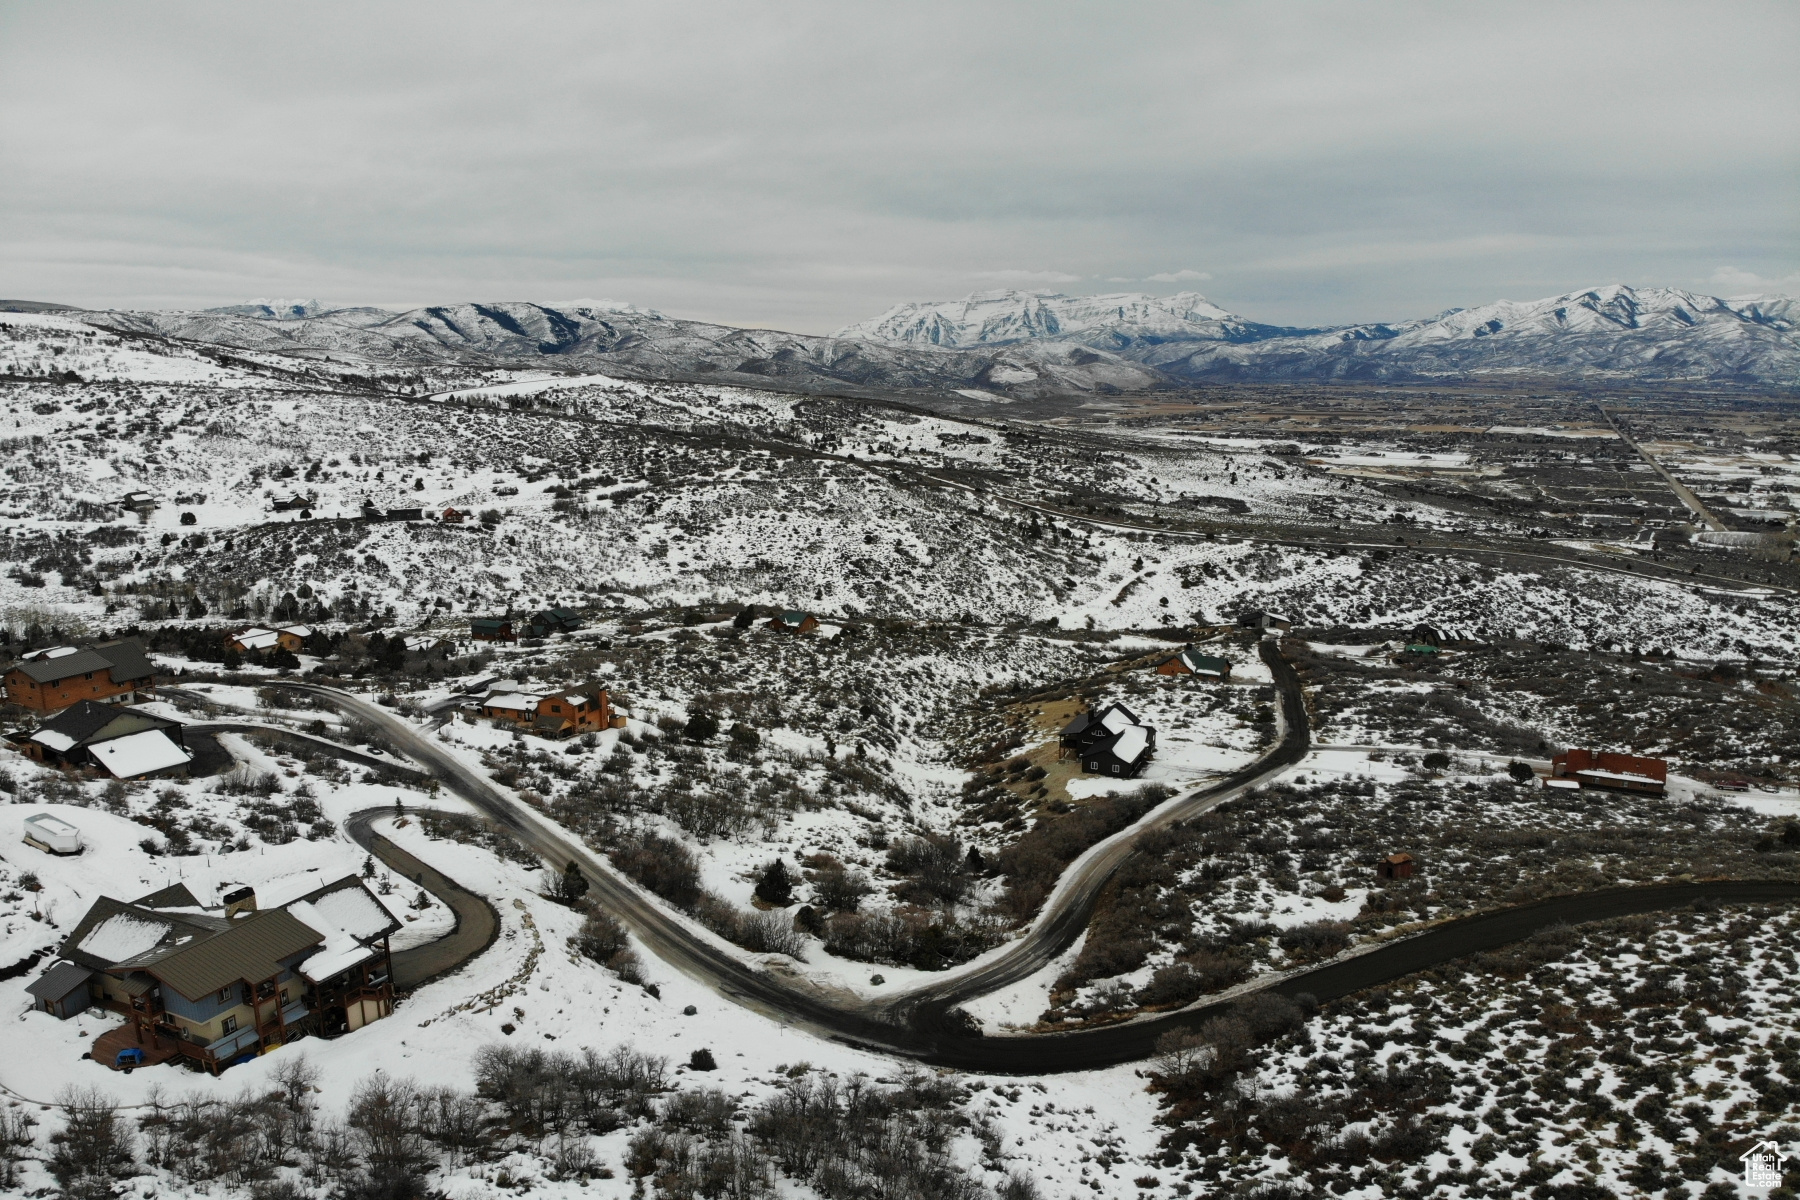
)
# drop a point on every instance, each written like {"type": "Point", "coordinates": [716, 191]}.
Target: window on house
{"type": "Point", "coordinates": [225, 995]}
{"type": "Point", "coordinates": [228, 1025]}
{"type": "Point", "coordinates": [284, 999]}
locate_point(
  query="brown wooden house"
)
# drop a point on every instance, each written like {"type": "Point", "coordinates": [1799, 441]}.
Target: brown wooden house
{"type": "Point", "coordinates": [1611, 770]}
{"type": "Point", "coordinates": [794, 621]}
{"type": "Point", "coordinates": [1192, 662]}
{"type": "Point", "coordinates": [51, 680]}
{"type": "Point", "coordinates": [492, 629]}
{"type": "Point", "coordinates": [555, 714]}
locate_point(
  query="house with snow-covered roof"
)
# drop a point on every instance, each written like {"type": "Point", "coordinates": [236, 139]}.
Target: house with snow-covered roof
{"type": "Point", "coordinates": [553, 714]}
{"type": "Point", "coordinates": [1088, 728]}
{"type": "Point", "coordinates": [220, 985]}
{"type": "Point", "coordinates": [1110, 742]}
{"type": "Point", "coordinates": [125, 743]}
{"type": "Point", "coordinates": [257, 640]}
{"type": "Point", "coordinates": [1192, 662]}
{"type": "Point", "coordinates": [1123, 755]}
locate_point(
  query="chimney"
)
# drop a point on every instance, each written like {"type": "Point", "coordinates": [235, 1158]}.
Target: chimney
{"type": "Point", "coordinates": [243, 900]}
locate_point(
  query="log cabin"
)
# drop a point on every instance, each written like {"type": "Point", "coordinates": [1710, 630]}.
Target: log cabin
{"type": "Point", "coordinates": [794, 621]}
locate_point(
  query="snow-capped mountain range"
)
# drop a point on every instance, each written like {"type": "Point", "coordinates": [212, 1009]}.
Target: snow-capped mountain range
{"type": "Point", "coordinates": [1013, 344]}
{"type": "Point", "coordinates": [1617, 331]}
{"type": "Point", "coordinates": [1006, 317]}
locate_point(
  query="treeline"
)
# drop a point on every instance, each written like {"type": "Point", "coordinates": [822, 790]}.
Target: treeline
{"type": "Point", "coordinates": [849, 1140]}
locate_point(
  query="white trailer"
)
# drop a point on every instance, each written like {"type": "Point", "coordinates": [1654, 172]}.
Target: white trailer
{"type": "Point", "coordinates": [52, 834]}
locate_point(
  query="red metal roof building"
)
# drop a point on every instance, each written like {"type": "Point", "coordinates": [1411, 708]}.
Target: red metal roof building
{"type": "Point", "coordinates": [1609, 769]}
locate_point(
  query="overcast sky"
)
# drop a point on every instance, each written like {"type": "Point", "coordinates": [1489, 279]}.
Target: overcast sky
{"type": "Point", "coordinates": [803, 166]}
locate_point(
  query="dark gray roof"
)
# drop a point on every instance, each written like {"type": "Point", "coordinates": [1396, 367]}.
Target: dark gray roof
{"type": "Point", "coordinates": [201, 953]}
{"type": "Point", "coordinates": [59, 981]}
{"type": "Point", "coordinates": [1079, 724]}
{"type": "Point", "coordinates": [86, 721]}
{"type": "Point", "coordinates": [176, 895]}
{"type": "Point", "coordinates": [129, 661]}
{"type": "Point", "coordinates": [248, 948]}
{"type": "Point", "coordinates": [124, 660]}
{"type": "Point", "coordinates": [179, 924]}
{"type": "Point", "coordinates": [49, 670]}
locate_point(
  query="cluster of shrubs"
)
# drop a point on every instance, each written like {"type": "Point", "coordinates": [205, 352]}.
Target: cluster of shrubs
{"type": "Point", "coordinates": [668, 868]}
{"type": "Point", "coordinates": [846, 1141]}
{"type": "Point", "coordinates": [1538, 1044]}
{"type": "Point", "coordinates": [1176, 894]}
{"type": "Point", "coordinates": [909, 936]}
{"type": "Point", "coordinates": [1032, 865]}
{"type": "Point", "coordinates": [471, 830]}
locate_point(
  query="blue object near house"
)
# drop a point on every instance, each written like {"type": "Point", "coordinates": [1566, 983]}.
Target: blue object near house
{"type": "Point", "coordinates": [128, 1058]}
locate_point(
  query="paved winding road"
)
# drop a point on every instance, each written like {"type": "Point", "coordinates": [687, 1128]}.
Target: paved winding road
{"type": "Point", "coordinates": [1066, 912]}
{"type": "Point", "coordinates": [477, 924]}
{"type": "Point", "coordinates": [922, 1022]}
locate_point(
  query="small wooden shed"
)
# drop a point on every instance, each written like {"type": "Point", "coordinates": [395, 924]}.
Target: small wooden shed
{"type": "Point", "coordinates": [1395, 866]}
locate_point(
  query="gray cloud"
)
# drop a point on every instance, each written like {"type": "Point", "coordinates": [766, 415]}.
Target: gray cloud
{"type": "Point", "coordinates": [805, 165]}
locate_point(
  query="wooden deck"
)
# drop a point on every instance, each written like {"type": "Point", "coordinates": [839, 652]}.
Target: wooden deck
{"type": "Point", "coordinates": [108, 1045]}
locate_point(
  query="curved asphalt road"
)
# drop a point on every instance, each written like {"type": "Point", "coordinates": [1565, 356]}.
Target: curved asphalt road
{"type": "Point", "coordinates": [1067, 911]}
{"type": "Point", "coordinates": [477, 924]}
{"type": "Point", "coordinates": [1135, 1040]}
{"type": "Point", "coordinates": [307, 741]}
{"type": "Point", "coordinates": [922, 1023]}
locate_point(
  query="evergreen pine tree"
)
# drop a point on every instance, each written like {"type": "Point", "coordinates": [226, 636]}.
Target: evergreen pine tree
{"type": "Point", "coordinates": [775, 886]}
{"type": "Point", "coordinates": [573, 885]}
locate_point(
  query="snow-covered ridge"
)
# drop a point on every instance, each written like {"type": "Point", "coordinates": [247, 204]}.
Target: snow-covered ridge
{"type": "Point", "coordinates": [1012, 345]}
{"type": "Point", "coordinates": [1002, 317]}
{"type": "Point", "coordinates": [1614, 331]}
{"type": "Point", "coordinates": [274, 310]}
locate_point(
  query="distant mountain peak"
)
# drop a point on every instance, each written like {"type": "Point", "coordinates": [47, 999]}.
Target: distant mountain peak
{"type": "Point", "coordinates": [274, 310]}
{"type": "Point", "coordinates": [605, 306]}
{"type": "Point", "coordinates": [1007, 315]}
